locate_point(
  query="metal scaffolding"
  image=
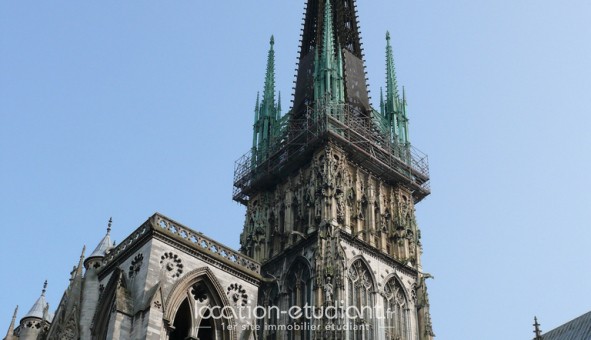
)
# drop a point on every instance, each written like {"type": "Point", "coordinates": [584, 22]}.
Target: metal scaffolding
{"type": "Point", "coordinates": [364, 141]}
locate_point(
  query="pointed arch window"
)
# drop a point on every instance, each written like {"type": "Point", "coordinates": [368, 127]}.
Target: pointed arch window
{"type": "Point", "coordinates": [182, 322]}
{"type": "Point", "coordinates": [360, 285]}
{"type": "Point", "coordinates": [299, 284]}
{"type": "Point", "coordinates": [192, 319]}
{"type": "Point", "coordinates": [269, 321]}
{"type": "Point", "coordinates": [396, 311]}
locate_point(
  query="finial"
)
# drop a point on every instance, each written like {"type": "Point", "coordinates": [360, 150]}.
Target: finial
{"type": "Point", "coordinates": [44, 288]}
{"type": "Point", "coordinates": [537, 330]}
{"type": "Point", "coordinates": [109, 225]}
{"type": "Point", "coordinates": [83, 251]}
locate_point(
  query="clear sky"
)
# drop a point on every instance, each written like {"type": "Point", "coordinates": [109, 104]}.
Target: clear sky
{"type": "Point", "coordinates": [125, 108]}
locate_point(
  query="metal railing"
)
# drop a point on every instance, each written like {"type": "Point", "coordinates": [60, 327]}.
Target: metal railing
{"type": "Point", "coordinates": [367, 144]}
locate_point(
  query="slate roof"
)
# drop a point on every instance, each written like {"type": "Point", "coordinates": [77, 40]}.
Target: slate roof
{"type": "Point", "coordinates": [103, 246]}
{"type": "Point", "coordinates": [577, 329]}
{"type": "Point", "coordinates": [37, 309]}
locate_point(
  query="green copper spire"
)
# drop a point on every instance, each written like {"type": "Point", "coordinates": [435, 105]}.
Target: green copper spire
{"type": "Point", "coordinates": [393, 107]}
{"type": "Point", "coordinates": [269, 92]}
{"type": "Point", "coordinates": [266, 112]}
{"type": "Point", "coordinates": [391, 83]}
{"type": "Point", "coordinates": [328, 75]}
{"type": "Point", "coordinates": [328, 37]}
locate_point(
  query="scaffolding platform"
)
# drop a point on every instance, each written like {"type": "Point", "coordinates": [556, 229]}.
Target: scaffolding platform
{"type": "Point", "coordinates": [364, 141]}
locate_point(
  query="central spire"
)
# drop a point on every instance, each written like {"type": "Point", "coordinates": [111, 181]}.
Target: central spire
{"type": "Point", "coordinates": [328, 73]}
{"type": "Point", "coordinates": [331, 29]}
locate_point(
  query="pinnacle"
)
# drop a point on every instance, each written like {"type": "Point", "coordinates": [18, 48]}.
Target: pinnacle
{"type": "Point", "coordinates": [44, 288]}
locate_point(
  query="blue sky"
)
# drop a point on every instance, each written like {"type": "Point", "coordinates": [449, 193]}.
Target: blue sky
{"type": "Point", "coordinates": [126, 108]}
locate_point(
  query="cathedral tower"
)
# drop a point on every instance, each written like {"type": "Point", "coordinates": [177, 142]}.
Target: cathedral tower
{"type": "Point", "coordinates": [330, 189]}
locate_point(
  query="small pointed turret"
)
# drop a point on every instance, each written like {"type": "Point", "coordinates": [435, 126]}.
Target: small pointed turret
{"type": "Point", "coordinates": [257, 107]}
{"type": "Point", "coordinates": [10, 333]}
{"type": "Point", "coordinates": [39, 306]}
{"type": "Point", "coordinates": [38, 309]}
{"type": "Point", "coordinates": [35, 321]}
{"type": "Point", "coordinates": [404, 137]}
{"type": "Point", "coordinates": [394, 107]}
{"type": "Point", "coordinates": [266, 112]}
{"type": "Point", "coordinates": [103, 247]}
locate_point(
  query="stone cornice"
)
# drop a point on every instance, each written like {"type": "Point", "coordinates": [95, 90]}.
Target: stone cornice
{"type": "Point", "coordinates": [373, 252]}
{"type": "Point", "coordinates": [175, 234]}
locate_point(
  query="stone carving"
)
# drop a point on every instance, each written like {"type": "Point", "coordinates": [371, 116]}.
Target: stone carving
{"type": "Point", "coordinates": [172, 263]}
{"type": "Point", "coordinates": [136, 265]}
{"type": "Point", "coordinates": [413, 292]}
{"type": "Point", "coordinates": [359, 275]}
{"type": "Point", "coordinates": [331, 189]}
{"type": "Point", "coordinates": [69, 332]}
{"type": "Point", "coordinates": [393, 292]}
{"type": "Point", "coordinates": [237, 294]}
{"type": "Point", "coordinates": [328, 290]}
{"type": "Point", "coordinates": [199, 292]}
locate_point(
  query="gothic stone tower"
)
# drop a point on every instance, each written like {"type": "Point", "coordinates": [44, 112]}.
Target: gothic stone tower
{"type": "Point", "coordinates": [330, 189]}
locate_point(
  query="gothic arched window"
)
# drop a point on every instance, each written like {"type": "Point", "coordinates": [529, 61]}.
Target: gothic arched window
{"type": "Point", "coordinates": [182, 322]}
{"type": "Point", "coordinates": [360, 297]}
{"type": "Point", "coordinates": [299, 288]}
{"type": "Point", "coordinates": [269, 321]}
{"type": "Point", "coordinates": [396, 311]}
{"type": "Point", "coordinates": [194, 318]}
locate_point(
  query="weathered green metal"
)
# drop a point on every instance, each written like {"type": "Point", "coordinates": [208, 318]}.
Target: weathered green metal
{"type": "Point", "coordinates": [391, 82]}
{"type": "Point", "coordinates": [394, 107]}
{"type": "Point", "coordinates": [278, 116]}
{"type": "Point", "coordinates": [269, 105]}
{"type": "Point", "coordinates": [330, 102]}
{"type": "Point", "coordinates": [403, 120]}
{"type": "Point", "coordinates": [382, 104]}
{"type": "Point", "coordinates": [328, 68]}
{"type": "Point", "coordinates": [267, 111]}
